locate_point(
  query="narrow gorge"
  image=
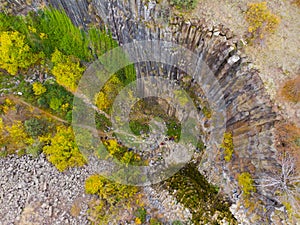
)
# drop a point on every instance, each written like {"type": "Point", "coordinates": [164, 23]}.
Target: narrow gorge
{"type": "Point", "coordinates": [250, 114]}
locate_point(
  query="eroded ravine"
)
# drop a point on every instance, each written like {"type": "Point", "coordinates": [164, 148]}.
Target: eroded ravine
{"type": "Point", "coordinates": [250, 115]}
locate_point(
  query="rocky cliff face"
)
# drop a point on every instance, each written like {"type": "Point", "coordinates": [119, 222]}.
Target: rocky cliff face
{"type": "Point", "coordinates": [249, 112]}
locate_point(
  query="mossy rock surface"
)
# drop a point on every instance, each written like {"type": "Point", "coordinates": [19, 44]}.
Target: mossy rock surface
{"type": "Point", "coordinates": [201, 198]}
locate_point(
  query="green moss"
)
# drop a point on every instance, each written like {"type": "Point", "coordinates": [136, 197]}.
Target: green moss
{"type": "Point", "coordinates": [200, 197]}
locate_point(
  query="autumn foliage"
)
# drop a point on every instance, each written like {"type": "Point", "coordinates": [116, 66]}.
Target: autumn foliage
{"type": "Point", "coordinates": [67, 70]}
{"type": "Point", "coordinates": [246, 183]}
{"type": "Point", "coordinates": [15, 54]}
{"type": "Point", "coordinates": [61, 149]}
{"type": "Point", "coordinates": [291, 90]}
{"type": "Point", "coordinates": [261, 20]}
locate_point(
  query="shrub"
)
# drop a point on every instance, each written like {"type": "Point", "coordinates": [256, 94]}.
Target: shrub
{"type": "Point", "coordinates": [14, 137]}
{"type": "Point", "coordinates": [108, 190]}
{"type": "Point", "coordinates": [261, 20]}
{"type": "Point", "coordinates": [105, 97]}
{"type": "Point", "coordinates": [246, 183]}
{"type": "Point", "coordinates": [113, 196]}
{"type": "Point", "coordinates": [35, 149]}
{"type": "Point", "coordinates": [227, 145]}
{"type": "Point", "coordinates": [35, 127]}
{"type": "Point", "coordinates": [61, 150]}
{"type": "Point", "coordinates": [184, 4]}
{"type": "Point", "coordinates": [67, 70]}
{"type": "Point", "coordinates": [38, 88]}
{"type": "Point", "coordinates": [141, 214]}
{"type": "Point", "coordinates": [154, 221]}
{"type": "Point", "coordinates": [177, 222]}
{"type": "Point", "coordinates": [15, 54]}
{"type": "Point", "coordinates": [55, 103]}
{"type": "Point", "coordinates": [291, 90]}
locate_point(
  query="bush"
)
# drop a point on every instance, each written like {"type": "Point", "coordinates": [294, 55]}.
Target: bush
{"type": "Point", "coordinates": [141, 214]}
{"type": "Point", "coordinates": [227, 145]}
{"type": "Point", "coordinates": [184, 4]}
{"type": "Point", "coordinates": [246, 183]}
{"type": "Point", "coordinates": [106, 96]}
{"type": "Point", "coordinates": [14, 137]}
{"type": "Point", "coordinates": [38, 88]}
{"type": "Point", "coordinates": [67, 70]}
{"type": "Point", "coordinates": [61, 150]}
{"type": "Point", "coordinates": [154, 221]}
{"type": "Point", "coordinates": [35, 127]}
{"type": "Point", "coordinates": [15, 54]}
{"type": "Point", "coordinates": [261, 20]}
{"type": "Point", "coordinates": [113, 196]}
{"type": "Point", "coordinates": [110, 191]}
{"type": "Point", "coordinates": [291, 90]}
{"type": "Point", "coordinates": [177, 222]}
{"type": "Point", "coordinates": [35, 149]}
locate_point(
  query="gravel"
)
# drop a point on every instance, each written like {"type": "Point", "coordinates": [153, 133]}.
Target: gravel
{"type": "Point", "coordinates": [32, 191]}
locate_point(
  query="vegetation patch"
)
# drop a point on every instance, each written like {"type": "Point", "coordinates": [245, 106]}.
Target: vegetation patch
{"type": "Point", "coordinates": [112, 197]}
{"type": "Point", "coordinates": [15, 53]}
{"type": "Point", "coordinates": [261, 21]}
{"type": "Point", "coordinates": [184, 4]}
{"type": "Point", "coordinates": [291, 90]}
{"type": "Point", "coordinates": [61, 149]}
{"type": "Point", "coordinates": [246, 183]}
{"type": "Point", "coordinates": [201, 198]}
{"type": "Point", "coordinates": [227, 145]}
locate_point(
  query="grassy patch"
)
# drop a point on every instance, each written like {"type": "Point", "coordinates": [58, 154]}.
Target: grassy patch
{"type": "Point", "coordinates": [291, 90]}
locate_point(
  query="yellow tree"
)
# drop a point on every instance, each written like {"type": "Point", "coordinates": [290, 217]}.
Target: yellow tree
{"type": "Point", "coordinates": [106, 96]}
{"type": "Point", "coordinates": [67, 70]}
{"type": "Point", "coordinates": [15, 54]}
{"type": "Point", "coordinates": [38, 88]}
{"type": "Point", "coordinates": [62, 151]}
{"type": "Point", "coordinates": [261, 20]}
{"type": "Point", "coordinates": [16, 137]}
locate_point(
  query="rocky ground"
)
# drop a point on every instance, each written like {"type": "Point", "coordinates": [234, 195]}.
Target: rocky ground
{"type": "Point", "coordinates": [277, 57]}
{"type": "Point", "coordinates": [32, 191]}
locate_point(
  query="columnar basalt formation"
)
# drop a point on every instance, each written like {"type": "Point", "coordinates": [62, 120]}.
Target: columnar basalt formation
{"type": "Point", "coordinates": [250, 115]}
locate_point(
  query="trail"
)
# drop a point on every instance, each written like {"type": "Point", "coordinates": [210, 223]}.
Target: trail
{"type": "Point", "coordinates": [19, 100]}
{"type": "Point", "coordinates": [94, 130]}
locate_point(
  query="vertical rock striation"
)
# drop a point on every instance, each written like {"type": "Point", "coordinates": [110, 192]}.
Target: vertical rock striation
{"type": "Point", "coordinates": [249, 111]}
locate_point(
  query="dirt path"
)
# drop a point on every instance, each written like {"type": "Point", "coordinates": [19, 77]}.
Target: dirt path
{"type": "Point", "coordinates": [18, 100]}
